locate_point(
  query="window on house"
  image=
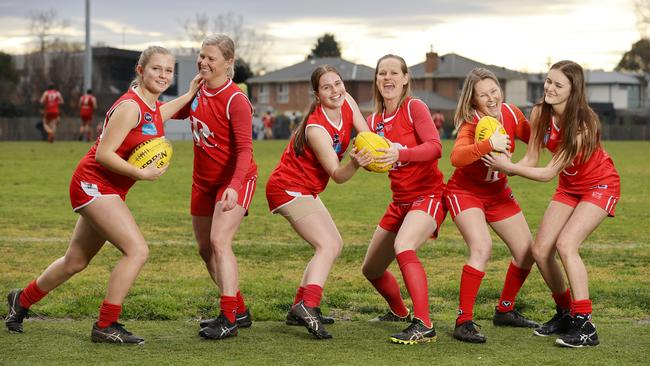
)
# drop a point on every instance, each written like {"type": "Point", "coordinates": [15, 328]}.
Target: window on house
{"type": "Point", "coordinates": [282, 93]}
{"type": "Point", "coordinates": [263, 96]}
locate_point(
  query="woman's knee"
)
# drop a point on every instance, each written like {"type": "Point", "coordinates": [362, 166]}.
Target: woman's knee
{"type": "Point", "coordinates": [331, 249]}
{"type": "Point", "coordinates": [481, 252]}
{"type": "Point", "coordinates": [566, 247]}
{"type": "Point", "coordinates": [74, 265]}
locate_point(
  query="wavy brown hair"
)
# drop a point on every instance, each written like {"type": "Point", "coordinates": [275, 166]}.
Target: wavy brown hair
{"type": "Point", "coordinates": [299, 137]}
{"type": "Point", "coordinates": [580, 127]}
{"type": "Point", "coordinates": [379, 100]}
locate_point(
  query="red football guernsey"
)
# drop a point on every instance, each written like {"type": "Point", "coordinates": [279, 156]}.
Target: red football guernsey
{"type": "Point", "coordinates": [578, 178]}
{"type": "Point", "coordinates": [304, 173]}
{"type": "Point", "coordinates": [471, 173]}
{"type": "Point", "coordinates": [222, 130]}
{"type": "Point", "coordinates": [52, 100]}
{"type": "Point", "coordinates": [149, 125]}
{"type": "Point", "coordinates": [408, 180]}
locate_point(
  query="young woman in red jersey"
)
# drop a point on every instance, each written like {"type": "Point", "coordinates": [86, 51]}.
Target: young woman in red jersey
{"type": "Point", "coordinates": [417, 210]}
{"type": "Point", "coordinates": [51, 99]}
{"type": "Point", "coordinates": [479, 197]}
{"type": "Point", "coordinates": [312, 157]}
{"type": "Point", "coordinates": [97, 192]}
{"type": "Point", "coordinates": [587, 193]}
{"type": "Point", "coordinates": [224, 177]}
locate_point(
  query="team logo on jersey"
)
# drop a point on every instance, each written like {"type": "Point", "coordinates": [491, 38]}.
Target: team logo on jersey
{"type": "Point", "coordinates": [195, 103]}
{"type": "Point", "coordinates": [547, 136]}
{"type": "Point", "coordinates": [148, 117]}
{"type": "Point", "coordinates": [201, 132]}
{"type": "Point", "coordinates": [380, 128]}
{"type": "Point", "coordinates": [149, 129]}
{"type": "Point", "coordinates": [336, 143]}
{"type": "Point", "coordinates": [597, 195]}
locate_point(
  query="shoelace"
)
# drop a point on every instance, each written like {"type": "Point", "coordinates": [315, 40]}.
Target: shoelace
{"type": "Point", "coordinates": [121, 328]}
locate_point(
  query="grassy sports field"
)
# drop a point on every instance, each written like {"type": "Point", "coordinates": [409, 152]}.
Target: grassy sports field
{"type": "Point", "coordinates": [173, 291]}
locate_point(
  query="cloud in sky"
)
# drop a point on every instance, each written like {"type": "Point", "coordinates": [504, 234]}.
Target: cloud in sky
{"type": "Point", "coordinates": [519, 34]}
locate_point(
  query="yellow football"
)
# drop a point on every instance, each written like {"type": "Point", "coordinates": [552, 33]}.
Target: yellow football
{"type": "Point", "coordinates": [144, 154]}
{"type": "Point", "coordinates": [486, 127]}
{"type": "Point", "coordinates": [371, 142]}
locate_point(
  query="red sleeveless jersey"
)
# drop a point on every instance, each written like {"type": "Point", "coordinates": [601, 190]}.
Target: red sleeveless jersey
{"type": "Point", "coordinates": [478, 178]}
{"type": "Point", "coordinates": [412, 179]}
{"type": "Point", "coordinates": [52, 100]}
{"type": "Point", "coordinates": [215, 148]}
{"type": "Point", "coordinates": [304, 173]}
{"type": "Point", "coordinates": [597, 171]}
{"type": "Point", "coordinates": [148, 126]}
{"type": "Point", "coordinates": [86, 104]}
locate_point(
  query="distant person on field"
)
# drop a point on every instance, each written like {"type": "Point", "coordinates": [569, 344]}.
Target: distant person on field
{"type": "Point", "coordinates": [98, 191]}
{"type": "Point", "coordinates": [268, 120]}
{"type": "Point", "coordinates": [479, 198]}
{"type": "Point", "coordinates": [588, 190]}
{"type": "Point", "coordinates": [311, 159]}
{"type": "Point", "coordinates": [224, 178]}
{"type": "Point", "coordinates": [50, 100]}
{"type": "Point", "coordinates": [439, 121]}
{"type": "Point", "coordinates": [416, 211]}
{"type": "Point", "coordinates": [87, 106]}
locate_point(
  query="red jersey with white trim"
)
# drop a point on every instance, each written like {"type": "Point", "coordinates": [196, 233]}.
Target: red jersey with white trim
{"type": "Point", "coordinates": [304, 173]}
{"type": "Point", "coordinates": [52, 100]}
{"type": "Point", "coordinates": [411, 179]}
{"type": "Point", "coordinates": [220, 156]}
{"type": "Point", "coordinates": [478, 178]}
{"type": "Point", "coordinates": [86, 105]}
{"type": "Point", "coordinates": [598, 170]}
{"type": "Point", "coordinates": [149, 125]}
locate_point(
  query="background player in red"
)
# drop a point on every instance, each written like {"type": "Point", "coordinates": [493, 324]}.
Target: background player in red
{"type": "Point", "coordinates": [439, 121]}
{"type": "Point", "coordinates": [312, 157]}
{"type": "Point", "coordinates": [417, 210]}
{"type": "Point", "coordinates": [267, 121]}
{"type": "Point", "coordinates": [587, 192]}
{"type": "Point", "coordinates": [97, 192]}
{"type": "Point", "coordinates": [478, 197]}
{"type": "Point", "coordinates": [50, 99]}
{"type": "Point", "coordinates": [87, 106]}
{"type": "Point", "coordinates": [224, 177]}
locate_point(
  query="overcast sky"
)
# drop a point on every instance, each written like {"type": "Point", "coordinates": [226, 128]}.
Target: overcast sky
{"type": "Point", "coordinates": [517, 34]}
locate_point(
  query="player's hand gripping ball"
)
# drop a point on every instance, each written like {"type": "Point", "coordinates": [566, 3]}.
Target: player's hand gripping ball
{"type": "Point", "coordinates": [371, 142]}
{"type": "Point", "coordinates": [144, 154]}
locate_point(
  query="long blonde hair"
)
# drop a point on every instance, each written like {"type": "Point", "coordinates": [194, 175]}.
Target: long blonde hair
{"type": "Point", "coordinates": [465, 107]}
{"type": "Point", "coordinates": [580, 127]}
{"type": "Point", "coordinates": [144, 59]}
{"type": "Point", "coordinates": [299, 138]}
{"type": "Point", "coordinates": [227, 48]}
{"type": "Point", "coordinates": [378, 99]}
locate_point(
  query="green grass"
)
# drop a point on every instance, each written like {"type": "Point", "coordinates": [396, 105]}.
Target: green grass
{"type": "Point", "coordinates": [174, 290]}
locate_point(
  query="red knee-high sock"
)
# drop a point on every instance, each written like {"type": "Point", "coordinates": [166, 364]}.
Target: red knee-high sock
{"type": "Point", "coordinates": [228, 307]}
{"type": "Point", "coordinates": [416, 283]}
{"type": "Point", "coordinates": [299, 294]}
{"type": "Point", "coordinates": [470, 281]}
{"type": "Point", "coordinates": [388, 288]}
{"type": "Point", "coordinates": [31, 295]}
{"type": "Point", "coordinates": [312, 295]}
{"type": "Point", "coordinates": [108, 314]}
{"type": "Point", "coordinates": [563, 299]}
{"type": "Point", "coordinates": [581, 307]}
{"type": "Point", "coordinates": [515, 278]}
{"type": "Point", "coordinates": [241, 306]}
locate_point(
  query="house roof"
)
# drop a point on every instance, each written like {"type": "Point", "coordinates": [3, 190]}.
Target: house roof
{"type": "Point", "coordinates": [433, 100]}
{"type": "Point", "coordinates": [452, 65]}
{"type": "Point", "coordinates": [302, 71]}
{"type": "Point", "coordinates": [610, 77]}
{"type": "Point", "coordinates": [596, 77]}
